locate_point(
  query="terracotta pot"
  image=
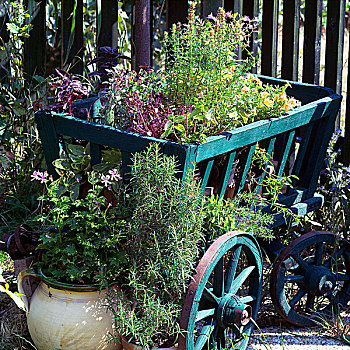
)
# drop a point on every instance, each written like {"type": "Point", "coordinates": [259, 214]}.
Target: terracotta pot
{"type": "Point", "coordinates": [129, 346]}
{"type": "Point", "coordinates": [67, 317]}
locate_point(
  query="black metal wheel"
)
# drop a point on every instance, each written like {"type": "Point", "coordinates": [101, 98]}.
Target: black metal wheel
{"type": "Point", "coordinates": [310, 280]}
{"type": "Point", "coordinates": [224, 295]}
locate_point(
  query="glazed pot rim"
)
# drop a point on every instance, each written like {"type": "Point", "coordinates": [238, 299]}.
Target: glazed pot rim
{"type": "Point", "coordinates": [67, 286]}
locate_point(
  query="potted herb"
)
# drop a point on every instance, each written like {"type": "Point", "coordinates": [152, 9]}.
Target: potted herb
{"type": "Point", "coordinates": [163, 245]}
{"type": "Point", "coordinates": [82, 255]}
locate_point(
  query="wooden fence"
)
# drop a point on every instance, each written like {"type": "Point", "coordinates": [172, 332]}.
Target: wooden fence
{"type": "Point", "coordinates": [300, 20]}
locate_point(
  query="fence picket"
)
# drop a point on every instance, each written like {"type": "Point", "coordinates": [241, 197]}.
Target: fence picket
{"type": "Point", "coordinates": [72, 36]}
{"type": "Point", "coordinates": [290, 48]}
{"type": "Point", "coordinates": [107, 30]}
{"type": "Point", "coordinates": [312, 41]}
{"type": "Point", "coordinates": [35, 44]}
{"type": "Point", "coordinates": [269, 38]}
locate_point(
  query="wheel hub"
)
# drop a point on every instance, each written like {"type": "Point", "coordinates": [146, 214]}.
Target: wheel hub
{"type": "Point", "coordinates": [319, 280]}
{"type": "Point", "coordinates": [232, 311]}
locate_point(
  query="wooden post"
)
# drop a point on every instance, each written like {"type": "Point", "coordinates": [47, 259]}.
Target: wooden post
{"type": "Point", "coordinates": [72, 38]}
{"type": "Point", "coordinates": [4, 35]}
{"type": "Point", "coordinates": [35, 45]}
{"type": "Point", "coordinates": [107, 23]}
{"type": "Point", "coordinates": [346, 150]}
{"type": "Point", "coordinates": [269, 38]}
{"type": "Point", "coordinates": [141, 34]}
{"type": "Point", "coordinates": [236, 6]}
{"type": "Point", "coordinates": [176, 11]}
{"type": "Point", "coordinates": [312, 41]}
{"type": "Point", "coordinates": [210, 6]}
{"type": "Point", "coordinates": [334, 47]}
{"type": "Point", "coordinates": [290, 40]}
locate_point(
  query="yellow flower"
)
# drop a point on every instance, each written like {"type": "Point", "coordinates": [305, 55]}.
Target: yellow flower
{"type": "Point", "coordinates": [282, 97]}
{"type": "Point", "coordinates": [287, 107]}
{"type": "Point", "coordinates": [254, 112]}
{"type": "Point", "coordinates": [245, 89]}
{"type": "Point", "coordinates": [264, 94]}
{"type": "Point", "coordinates": [292, 102]}
{"type": "Point", "coordinates": [268, 102]}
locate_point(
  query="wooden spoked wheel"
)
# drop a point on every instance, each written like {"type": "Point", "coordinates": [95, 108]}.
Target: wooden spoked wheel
{"type": "Point", "coordinates": [224, 295]}
{"type": "Point", "coordinates": [310, 280]}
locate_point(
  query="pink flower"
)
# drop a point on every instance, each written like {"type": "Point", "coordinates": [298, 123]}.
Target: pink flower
{"type": "Point", "coordinates": [47, 236]}
{"type": "Point", "coordinates": [43, 177]}
{"type": "Point", "coordinates": [105, 180]}
{"type": "Point", "coordinates": [115, 176]}
{"type": "Point", "coordinates": [35, 176]}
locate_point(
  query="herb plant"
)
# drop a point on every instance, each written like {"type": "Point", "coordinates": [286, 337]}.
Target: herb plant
{"type": "Point", "coordinates": [335, 186]}
{"type": "Point", "coordinates": [81, 237]}
{"type": "Point", "coordinates": [162, 248]}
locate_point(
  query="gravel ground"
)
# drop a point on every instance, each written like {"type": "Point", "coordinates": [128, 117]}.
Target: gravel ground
{"type": "Point", "coordinates": [293, 339]}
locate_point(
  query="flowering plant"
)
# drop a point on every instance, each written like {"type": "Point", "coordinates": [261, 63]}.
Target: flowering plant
{"type": "Point", "coordinates": [81, 238]}
{"type": "Point", "coordinates": [203, 90]}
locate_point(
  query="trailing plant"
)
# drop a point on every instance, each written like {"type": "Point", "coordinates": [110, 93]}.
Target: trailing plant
{"type": "Point", "coordinates": [242, 213]}
{"type": "Point", "coordinates": [335, 186]}
{"type": "Point", "coordinates": [162, 248]}
{"type": "Point", "coordinates": [82, 237]}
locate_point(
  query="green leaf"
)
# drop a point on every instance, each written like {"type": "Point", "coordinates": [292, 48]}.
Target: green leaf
{"type": "Point", "coordinates": [75, 191]}
{"type": "Point", "coordinates": [76, 150]}
{"type": "Point", "coordinates": [13, 28]}
{"type": "Point", "coordinates": [62, 163]}
{"type": "Point", "coordinates": [180, 128]}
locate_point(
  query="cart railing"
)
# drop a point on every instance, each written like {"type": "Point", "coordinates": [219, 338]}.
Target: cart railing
{"type": "Point", "coordinates": [295, 143]}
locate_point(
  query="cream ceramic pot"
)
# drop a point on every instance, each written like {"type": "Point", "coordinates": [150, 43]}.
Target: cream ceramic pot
{"type": "Point", "coordinates": [67, 317]}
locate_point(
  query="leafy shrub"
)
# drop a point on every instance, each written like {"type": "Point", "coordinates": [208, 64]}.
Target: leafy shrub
{"type": "Point", "coordinates": [162, 247]}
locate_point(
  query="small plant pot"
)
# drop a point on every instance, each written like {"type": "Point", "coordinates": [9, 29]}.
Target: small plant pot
{"type": "Point", "coordinates": [130, 346]}
{"type": "Point", "coordinates": [69, 317]}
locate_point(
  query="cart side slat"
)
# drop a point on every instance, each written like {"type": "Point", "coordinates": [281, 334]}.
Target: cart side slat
{"type": "Point", "coordinates": [206, 174]}
{"type": "Point", "coordinates": [264, 129]}
{"type": "Point", "coordinates": [226, 174]}
{"type": "Point", "coordinates": [301, 152]}
{"type": "Point", "coordinates": [244, 173]}
{"type": "Point", "coordinates": [269, 153]}
{"type": "Point", "coordinates": [285, 155]}
{"type": "Point", "coordinates": [313, 162]}
{"type": "Point", "coordinates": [49, 139]}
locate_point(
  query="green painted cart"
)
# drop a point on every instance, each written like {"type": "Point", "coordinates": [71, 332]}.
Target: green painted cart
{"type": "Point", "coordinates": [310, 276]}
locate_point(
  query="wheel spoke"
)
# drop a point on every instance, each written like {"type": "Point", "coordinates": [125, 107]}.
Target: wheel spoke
{"type": "Point", "coordinates": [301, 262]}
{"type": "Point", "coordinates": [240, 279]}
{"type": "Point", "coordinates": [209, 295]}
{"type": "Point", "coordinates": [297, 297]}
{"type": "Point", "coordinates": [247, 299]}
{"type": "Point", "coordinates": [319, 254]}
{"type": "Point", "coordinates": [220, 338]}
{"type": "Point", "coordinates": [294, 279]}
{"type": "Point", "coordinates": [334, 257]}
{"type": "Point", "coordinates": [204, 313]}
{"type": "Point", "coordinates": [236, 331]}
{"type": "Point", "coordinates": [219, 278]}
{"type": "Point", "coordinates": [231, 269]}
{"type": "Point", "coordinates": [204, 335]}
{"type": "Point", "coordinates": [310, 303]}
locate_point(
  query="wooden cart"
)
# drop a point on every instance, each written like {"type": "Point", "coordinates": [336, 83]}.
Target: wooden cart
{"type": "Point", "coordinates": [310, 276]}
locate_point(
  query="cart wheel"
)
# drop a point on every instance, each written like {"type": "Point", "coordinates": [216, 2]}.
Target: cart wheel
{"type": "Point", "coordinates": [224, 295]}
{"type": "Point", "coordinates": [310, 279]}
